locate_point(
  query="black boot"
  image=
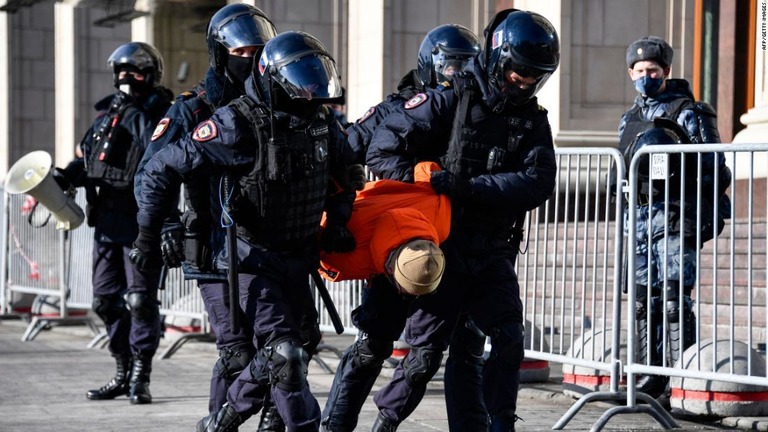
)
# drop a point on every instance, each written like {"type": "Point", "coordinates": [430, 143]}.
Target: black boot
{"type": "Point", "coordinates": [503, 422]}
{"type": "Point", "coordinates": [225, 420]}
{"type": "Point", "coordinates": [270, 419]}
{"type": "Point", "coordinates": [142, 367]}
{"type": "Point", "coordinates": [118, 385]}
{"type": "Point", "coordinates": [383, 424]}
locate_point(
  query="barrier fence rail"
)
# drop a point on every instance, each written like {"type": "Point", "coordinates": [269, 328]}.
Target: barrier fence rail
{"type": "Point", "coordinates": [570, 276]}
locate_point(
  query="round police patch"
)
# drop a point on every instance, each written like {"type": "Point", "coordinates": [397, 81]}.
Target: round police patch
{"type": "Point", "coordinates": [160, 129]}
{"type": "Point", "coordinates": [415, 101]}
{"type": "Point", "coordinates": [367, 114]}
{"type": "Point", "coordinates": [206, 131]}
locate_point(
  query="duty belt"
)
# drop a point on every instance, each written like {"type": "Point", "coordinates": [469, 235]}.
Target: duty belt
{"type": "Point", "coordinates": [281, 246]}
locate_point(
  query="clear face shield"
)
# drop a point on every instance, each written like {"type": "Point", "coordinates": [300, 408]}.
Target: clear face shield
{"type": "Point", "coordinates": [309, 77]}
{"type": "Point", "coordinates": [447, 65]}
{"type": "Point", "coordinates": [518, 93]}
{"type": "Point", "coordinates": [245, 30]}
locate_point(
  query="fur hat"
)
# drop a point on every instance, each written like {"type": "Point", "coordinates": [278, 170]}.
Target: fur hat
{"type": "Point", "coordinates": [419, 266]}
{"type": "Point", "coordinates": [650, 48]}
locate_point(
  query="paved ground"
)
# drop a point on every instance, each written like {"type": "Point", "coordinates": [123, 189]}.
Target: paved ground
{"type": "Point", "coordinates": [43, 385]}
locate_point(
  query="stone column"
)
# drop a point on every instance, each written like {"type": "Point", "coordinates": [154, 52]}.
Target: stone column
{"type": "Point", "coordinates": [756, 119]}
{"type": "Point", "coordinates": [64, 81]}
{"type": "Point", "coordinates": [365, 64]}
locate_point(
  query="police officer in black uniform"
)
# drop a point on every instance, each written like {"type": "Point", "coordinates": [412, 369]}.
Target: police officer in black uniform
{"type": "Point", "coordinates": [284, 157]}
{"type": "Point", "coordinates": [381, 316]}
{"type": "Point", "coordinates": [236, 34]}
{"type": "Point", "coordinates": [660, 98]}
{"type": "Point", "coordinates": [495, 143]}
{"type": "Point", "coordinates": [124, 298]}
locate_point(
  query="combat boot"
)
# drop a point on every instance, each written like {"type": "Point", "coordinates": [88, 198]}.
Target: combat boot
{"type": "Point", "coordinates": [142, 367]}
{"type": "Point", "coordinates": [503, 422]}
{"type": "Point", "coordinates": [271, 420]}
{"type": "Point", "coordinates": [118, 385]}
{"type": "Point", "coordinates": [225, 420]}
{"type": "Point", "coordinates": [383, 424]}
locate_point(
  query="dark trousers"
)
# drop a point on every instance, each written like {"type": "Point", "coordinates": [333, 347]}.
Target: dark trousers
{"type": "Point", "coordinates": [216, 298]}
{"type": "Point", "coordinates": [114, 276]}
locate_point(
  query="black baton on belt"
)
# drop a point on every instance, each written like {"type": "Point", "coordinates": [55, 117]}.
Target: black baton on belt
{"type": "Point", "coordinates": [232, 279]}
{"type": "Point", "coordinates": [332, 312]}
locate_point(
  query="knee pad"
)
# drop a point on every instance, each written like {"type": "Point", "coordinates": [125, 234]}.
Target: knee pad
{"type": "Point", "coordinates": [468, 342]}
{"type": "Point", "coordinates": [109, 308]}
{"type": "Point", "coordinates": [233, 360]}
{"type": "Point", "coordinates": [421, 364]}
{"type": "Point", "coordinates": [289, 365]}
{"type": "Point", "coordinates": [370, 352]}
{"type": "Point", "coordinates": [143, 307]}
{"type": "Point", "coordinates": [507, 341]}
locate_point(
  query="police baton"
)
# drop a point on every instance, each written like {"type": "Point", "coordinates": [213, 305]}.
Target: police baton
{"type": "Point", "coordinates": [332, 312]}
{"type": "Point", "coordinates": [163, 277]}
{"type": "Point", "coordinates": [232, 279]}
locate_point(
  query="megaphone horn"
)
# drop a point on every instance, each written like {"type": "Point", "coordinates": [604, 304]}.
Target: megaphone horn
{"type": "Point", "coordinates": [32, 175]}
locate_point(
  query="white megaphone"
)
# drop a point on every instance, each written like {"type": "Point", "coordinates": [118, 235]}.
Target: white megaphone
{"type": "Point", "coordinates": [32, 175]}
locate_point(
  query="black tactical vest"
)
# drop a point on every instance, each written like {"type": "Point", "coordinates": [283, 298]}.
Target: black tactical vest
{"type": "Point", "coordinates": [114, 154]}
{"type": "Point", "coordinates": [483, 142]}
{"type": "Point", "coordinates": [283, 196]}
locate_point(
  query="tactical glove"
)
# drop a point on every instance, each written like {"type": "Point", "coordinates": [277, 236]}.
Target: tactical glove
{"type": "Point", "coordinates": [145, 254]}
{"type": "Point", "coordinates": [357, 176]}
{"type": "Point", "coordinates": [172, 246]}
{"type": "Point", "coordinates": [447, 183]}
{"type": "Point", "coordinates": [337, 238]}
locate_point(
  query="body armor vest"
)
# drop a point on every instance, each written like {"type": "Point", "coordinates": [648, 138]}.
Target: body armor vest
{"type": "Point", "coordinates": [282, 198]}
{"type": "Point", "coordinates": [114, 156]}
{"type": "Point", "coordinates": [483, 142]}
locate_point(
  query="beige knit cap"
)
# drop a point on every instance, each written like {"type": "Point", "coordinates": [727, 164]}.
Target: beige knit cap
{"type": "Point", "coordinates": [419, 267]}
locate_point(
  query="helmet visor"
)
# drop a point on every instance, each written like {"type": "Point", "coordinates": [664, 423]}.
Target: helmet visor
{"type": "Point", "coordinates": [131, 54]}
{"type": "Point", "coordinates": [446, 66]}
{"type": "Point", "coordinates": [309, 77]}
{"type": "Point", "coordinates": [245, 30]}
{"type": "Point", "coordinates": [519, 94]}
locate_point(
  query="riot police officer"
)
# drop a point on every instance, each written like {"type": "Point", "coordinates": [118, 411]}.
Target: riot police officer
{"type": "Point", "coordinates": [660, 98]}
{"type": "Point", "coordinates": [495, 144]}
{"type": "Point", "coordinates": [125, 299]}
{"type": "Point", "coordinates": [284, 158]}
{"type": "Point", "coordinates": [382, 315]}
{"type": "Point", "coordinates": [236, 34]}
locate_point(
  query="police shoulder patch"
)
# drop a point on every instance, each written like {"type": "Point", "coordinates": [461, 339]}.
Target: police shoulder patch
{"type": "Point", "coordinates": [367, 114]}
{"type": "Point", "coordinates": [205, 131]}
{"type": "Point", "coordinates": [415, 101]}
{"type": "Point", "coordinates": [160, 129]}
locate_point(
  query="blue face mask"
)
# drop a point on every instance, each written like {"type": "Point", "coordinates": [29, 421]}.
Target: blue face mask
{"type": "Point", "coordinates": [648, 86]}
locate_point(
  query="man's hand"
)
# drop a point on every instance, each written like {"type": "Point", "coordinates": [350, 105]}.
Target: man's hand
{"type": "Point", "coordinates": [447, 183]}
{"type": "Point", "coordinates": [145, 254]}
{"type": "Point", "coordinates": [172, 247]}
{"type": "Point", "coordinates": [337, 238]}
{"type": "Point", "coordinates": [357, 176]}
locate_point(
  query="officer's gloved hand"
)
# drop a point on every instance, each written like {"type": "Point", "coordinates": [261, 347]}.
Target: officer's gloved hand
{"type": "Point", "coordinates": [145, 254]}
{"type": "Point", "coordinates": [357, 176]}
{"type": "Point", "coordinates": [172, 246]}
{"type": "Point", "coordinates": [336, 237]}
{"type": "Point", "coordinates": [447, 183]}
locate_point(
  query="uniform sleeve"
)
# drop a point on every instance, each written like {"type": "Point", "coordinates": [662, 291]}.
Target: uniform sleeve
{"type": "Point", "coordinates": [341, 194]}
{"type": "Point", "coordinates": [413, 132]}
{"type": "Point", "coordinates": [171, 128]}
{"type": "Point", "coordinates": [216, 142]}
{"type": "Point", "coordinates": [360, 133]}
{"type": "Point", "coordinates": [531, 183]}
{"type": "Point", "coordinates": [700, 121]}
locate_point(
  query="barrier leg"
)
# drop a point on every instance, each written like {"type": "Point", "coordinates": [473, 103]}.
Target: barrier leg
{"type": "Point", "coordinates": [172, 348]}
{"type": "Point", "coordinates": [38, 323]}
{"type": "Point", "coordinates": [99, 340]}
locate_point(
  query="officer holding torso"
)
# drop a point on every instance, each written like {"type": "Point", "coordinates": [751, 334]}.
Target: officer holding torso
{"type": "Point", "coordinates": [495, 144]}
{"type": "Point", "coordinates": [112, 149]}
{"type": "Point", "coordinates": [236, 34]}
{"type": "Point", "coordinates": [283, 156]}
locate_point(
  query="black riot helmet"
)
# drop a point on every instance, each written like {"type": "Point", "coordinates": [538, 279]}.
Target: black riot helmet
{"type": "Point", "coordinates": [663, 131]}
{"type": "Point", "coordinates": [236, 26]}
{"type": "Point", "coordinates": [296, 65]}
{"type": "Point", "coordinates": [525, 43]}
{"type": "Point", "coordinates": [138, 56]}
{"type": "Point", "coordinates": [445, 50]}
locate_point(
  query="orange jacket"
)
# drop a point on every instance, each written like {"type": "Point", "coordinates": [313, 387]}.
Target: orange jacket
{"type": "Point", "coordinates": [385, 215]}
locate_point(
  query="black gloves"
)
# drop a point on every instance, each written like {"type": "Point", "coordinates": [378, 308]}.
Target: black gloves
{"type": "Point", "coordinates": [172, 246]}
{"type": "Point", "coordinates": [357, 176]}
{"type": "Point", "coordinates": [447, 183]}
{"type": "Point", "coordinates": [336, 238]}
{"type": "Point", "coordinates": [60, 176]}
{"type": "Point", "coordinates": [145, 254]}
